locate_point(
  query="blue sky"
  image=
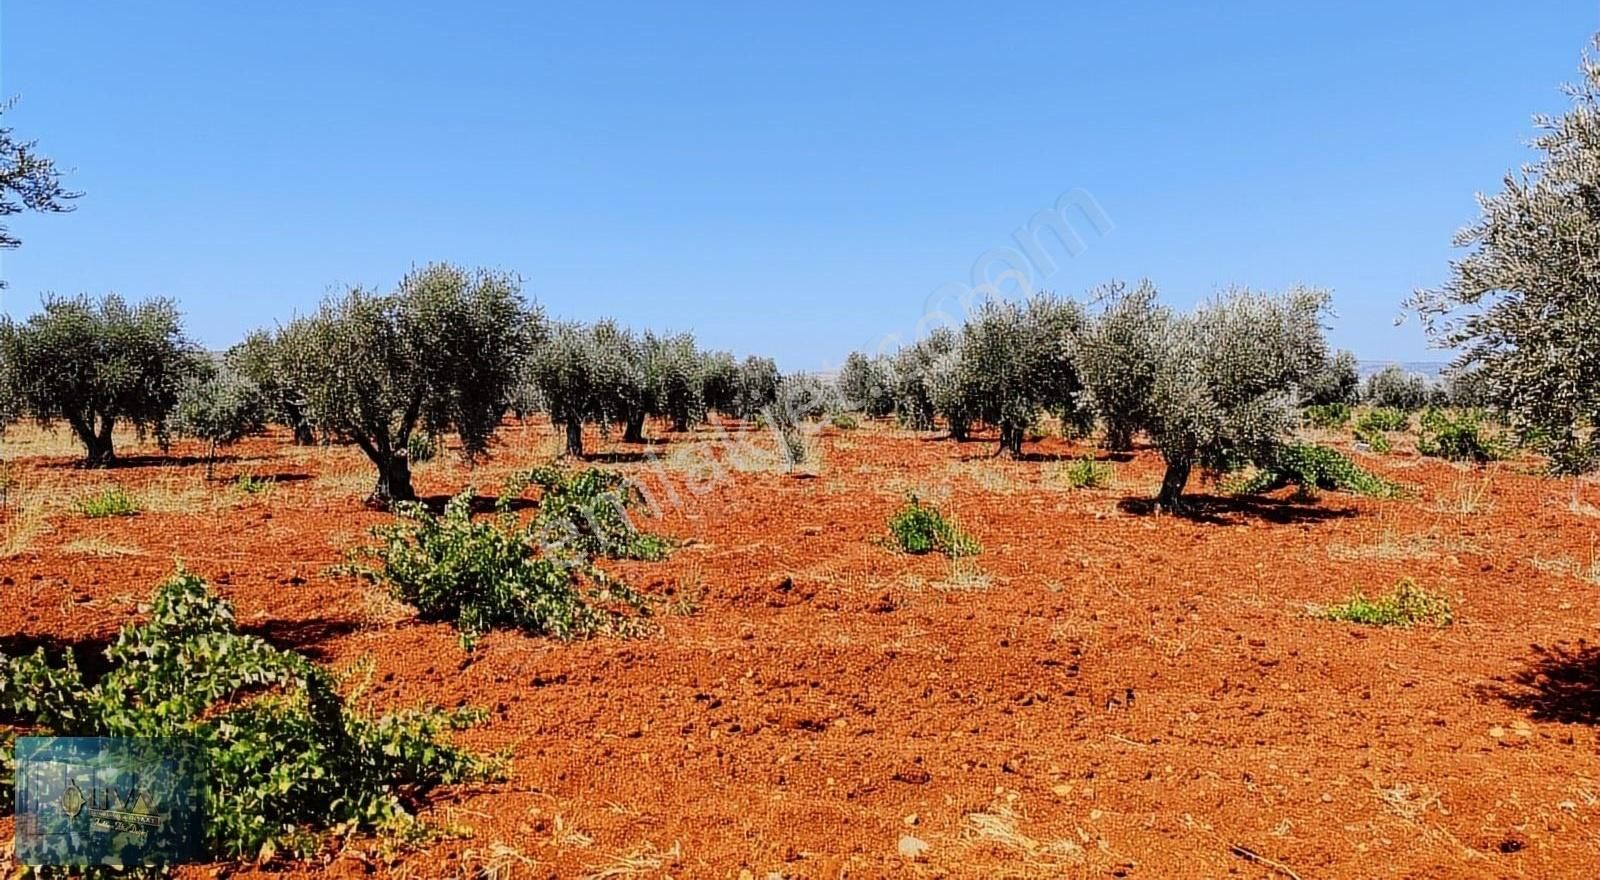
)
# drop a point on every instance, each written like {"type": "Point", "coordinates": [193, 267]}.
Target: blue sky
{"type": "Point", "coordinates": [794, 181]}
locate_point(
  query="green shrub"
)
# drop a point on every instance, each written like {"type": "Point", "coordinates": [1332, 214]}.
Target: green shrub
{"type": "Point", "coordinates": [1327, 415]}
{"type": "Point", "coordinates": [250, 484]}
{"type": "Point", "coordinates": [1457, 438]}
{"type": "Point", "coordinates": [1377, 441]}
{"type": "Point", "coordinates": [1310, 467]}
{"type": "Point", "coordinates": [494, 574]}
{"type": "Point", "coordinates": [1407, 605]}
{"type": "Point", "coordinates": [288, 759]}
{"type": "Point", "coordinates": [917, 528]}
{"type": "Point", "coordinates": [1383, 418]}
{"type": "Point", "coordinates": [422, 447]}
{"type": "Point", "coordinates": [844, 421]}
{"type": "Point", "coordinates": [1087, 473]}
{"type": "Point", "coordinates": [586, 512]}
{"type": "Point", "coordinates": [110, 501]}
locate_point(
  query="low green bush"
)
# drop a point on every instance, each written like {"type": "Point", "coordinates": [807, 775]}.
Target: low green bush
{"type": "Point", "coordinates": [1405, 606]}
{"type": "Point", "coordinates": [918, 528]}
{"type": "Point", "coordinates": [1457, 437]}
{"type": "Point", "coordinates": [422, 447]}
{"type": "Point", "coordinates": [586, 512]}
{"type": "Point", "coordinates": [289, 761]}
{"type": "Point", "coordinates": [111, 501]}
{"type": "Point", "coordinates": [844, 421]}
{"type": "Point", "coordinates": [1383, 418]}
{"type": "Point", "coordinates": [1310, 467]}
{"type": "Point", "coordinates": [495, 573]}
{"type": "Point", "coordinates": [1087, 473]}
{"type": "Point", "coordinates": [1373, 439]}
{"type": "Point", "coordinates": [250, 484]}
{"type": "Point", "coordinates": [1327, 415]}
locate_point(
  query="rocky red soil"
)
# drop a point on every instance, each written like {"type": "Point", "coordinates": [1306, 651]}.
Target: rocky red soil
{"type": "Point", "coordinates": [1101, 692]}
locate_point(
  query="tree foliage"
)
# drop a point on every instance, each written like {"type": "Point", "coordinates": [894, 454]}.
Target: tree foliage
{"type": "Point", "coordinates": [1522, 304]}
{"type": "Point", "coordinates": [1118, 356]}
{"type": "Point", "coordinates": [1394, 388]}
{"type": "Point", "coordinates": [28, 182]}
{"type": "Point", "coordinates": [95, 363]}
{"type": "Point", "coordinates": [439, 354]}
{"type": "Point", "coordinates": [264, 357]}
{"type": "Point", "coordinates": [867, 385]}
{"type": "Point", "coordinates": [219, 406]}
{"type": "Point", "coordinates": [1337, 383]}
{"type": "Point", "coordinates": [1228, 380]}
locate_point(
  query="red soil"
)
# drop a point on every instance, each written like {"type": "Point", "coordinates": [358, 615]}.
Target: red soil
{"type": "Point", "coordinates": [1127, 695]}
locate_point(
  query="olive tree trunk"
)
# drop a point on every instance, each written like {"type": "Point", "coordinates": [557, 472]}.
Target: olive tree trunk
{"type": "Point", "coordinates": [575, 438]}
{"type": "Point", "coordinates": [1172, 483]}
{"type": "Point", "coordinates": [96, 442]}
{"type": "Point", "coordinates": [1010, 440]}
{"type": "Point", "coordinates": [633, 429]}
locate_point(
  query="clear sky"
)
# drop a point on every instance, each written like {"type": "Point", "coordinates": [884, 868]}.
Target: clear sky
{"type": "Point", "coordinates": [791, 179]}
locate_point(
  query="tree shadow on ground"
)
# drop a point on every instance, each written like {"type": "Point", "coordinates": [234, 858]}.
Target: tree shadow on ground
{"type": "Point", "coordinates": [1233, 510]}
{"type": "Point", "coordinates": [479, 504]}
{"type": "Point", "coordinates": [308, 637]}
{"type": "Point", "coordinates": [263, 478]}
{"type": "Point", "coordinates": [126, 462]}
{"type": "Point", "coordinates": [616, 457]}
{"type": "Point", "coordinates": [1560, 683]}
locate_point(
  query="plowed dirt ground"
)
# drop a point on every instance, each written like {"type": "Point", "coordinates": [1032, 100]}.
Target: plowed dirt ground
{"type": "Point", "coordinates": [1101, 692]}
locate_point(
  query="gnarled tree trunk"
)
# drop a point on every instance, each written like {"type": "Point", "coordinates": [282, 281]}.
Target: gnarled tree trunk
{"type": "Point", "coordinates": [959, 430]}
{"type": "Point", "coordinates": [96, 439]}
{"type": "Point", "coordinates": [1172, 482]}
{"type": "Point", "coordinates": [394, 480]}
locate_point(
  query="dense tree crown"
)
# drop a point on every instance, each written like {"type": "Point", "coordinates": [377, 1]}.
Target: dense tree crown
{"type": "Point", "coordinates": [1118, 356]}
{"type": "Point", "coordinates": [97, 363]}
{"type": "Point", "coordinates": [439, 354]}
{"type": "Point", "coordinates": [1523, 304]}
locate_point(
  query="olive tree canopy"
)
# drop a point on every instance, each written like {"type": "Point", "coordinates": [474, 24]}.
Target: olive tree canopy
{"type": "Point", "coordinates": [1118, 356]}
{"type": "Point", "coordinates": [1523, 305]}
{"type": "Point", "coordinates": [439, 354]}
{"type": "Point", "coordinates": [1228, 379]}
{"type": "Point", "coordinates": [95, 363]}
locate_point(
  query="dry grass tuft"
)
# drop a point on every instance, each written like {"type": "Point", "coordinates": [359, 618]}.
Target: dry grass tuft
{"type": "Point", "coordinates": [1000, 826]}
{"type": "Point", "coordinates": [643, 859]}
{"type": "Point", "coordinates": [99, 547]}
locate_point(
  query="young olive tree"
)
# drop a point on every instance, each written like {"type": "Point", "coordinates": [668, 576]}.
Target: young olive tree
{"type": "Point", "coordinates": [439, 354]}
{"type": "Point", "coordinates": [1228, 379]}
{"type": "Point", "coordinates": [263, 358]}
{"type": "Point", "coordinates": [220, 406]}
{"type": "Point", "coordinates": [1522, 305]}
{"type": "Point", "coordinates": [95, 363]}
{"type": "Point", "coordinates": [1118, 356]}
{"type": "Point", "coordinates": [674, 379]}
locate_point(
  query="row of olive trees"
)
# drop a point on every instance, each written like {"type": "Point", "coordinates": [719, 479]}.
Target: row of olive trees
{"type": "Point", "coordinates": [449, 350]}
{"type": "Point", "coordinates": [1213, 388]}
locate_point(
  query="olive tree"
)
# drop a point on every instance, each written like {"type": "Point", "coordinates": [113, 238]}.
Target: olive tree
{"type": "Point", "coordinates": [263, 358]}
{"type": "Point", "coordinates": [718, 375]}
{"type": "Point", "coordinates": [1118, 357]}
{"type": "Point", "coordinates": [439, 354]}
{"type": "Point", "coordinates": [913, 374]}
{"type": "Point", "coordinates": [1228, 379]}
{"type": "Point", "coordinates": [96, 363]}
{"type": "Point", "coordinates": [583, 378]}
{"type": "Point", "coordinates": [674, 379]}
{"type": "Point", "coordinates": [219, 406]}
{"type": "Point", "coordinates": [1394, 388]}
{"type": "Point", "coordinates": [1337, 382]}
{"type": "Point", "coordinates": [758, 385]}
{"type": "Point", "coordinates": [1015, 362]}
{"type": "Point", "coordinates": [1521, 305]}
{"type": "Point", "coordinates": [867, 384]}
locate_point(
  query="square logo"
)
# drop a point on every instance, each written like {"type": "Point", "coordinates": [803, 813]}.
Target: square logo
{"type": "Point", "coordinates": [108, 801]}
